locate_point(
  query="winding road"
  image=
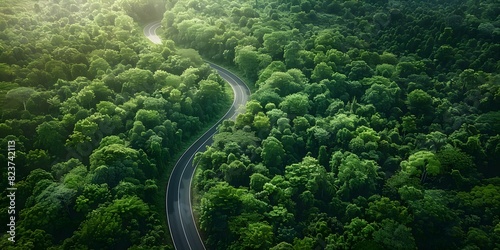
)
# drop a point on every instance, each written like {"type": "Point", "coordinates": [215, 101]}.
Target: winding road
{"type": "Point", "coordinates": [180, 217]}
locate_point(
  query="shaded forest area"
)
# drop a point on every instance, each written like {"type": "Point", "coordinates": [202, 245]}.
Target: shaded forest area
{"type": "Point", "coordinates": [373, 124]}
{"type": "Point", "coordinates": [97, 113]}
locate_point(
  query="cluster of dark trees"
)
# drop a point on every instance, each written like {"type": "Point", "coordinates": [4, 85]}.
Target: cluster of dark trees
{"type": "Point", "coordinates": [373, 124]}
{"type": "Point", "coordinates": [97, 114]}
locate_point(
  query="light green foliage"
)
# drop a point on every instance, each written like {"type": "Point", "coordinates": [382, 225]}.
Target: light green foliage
{"type": "Point", "coordinates": [275, 114]}
{"type": "Point", "coordinates": [136, 80]}
{"type": "Point", "coordinates": [382, 93]}
{"type": "Point", "coordinates": [420, 162]}
{"type": "Point", "coordinates": [275, 66]}
{"type": "Point", "coordinates": [274, 43]}
{"type": "Point", "coordinates": [366, 141]}
{"type": "Point", "coordinates": [410, 193]}
{"type": "Point", "coordinates": [151, 61]}
{"type": "Point", "coordinates": [247, 59]}
{"type": "Point", "coordinates": [282, 83]}
{"type": "Point", "coordinates": [409, 123]}
{"type": "Point", "coordinates": [321, 71]}
{"type": "Point", "coordinates": [98, 67]}
{"type": "Point", "coordinates": [261, 123]}
{"type": "Point", "coordinates": [92, 196]}
{"type": "Point", "coordinates": [257, 181]}
{"type": "Point", "coordinates": [300, 124]}
{"type": "Point", "coordinates": [356, 176]}
{"type": "Point", "coordinates": [85, 98]}
{"type": "Point", "coordinates": [149, 118]}
{"type": "Point", "coordinates": [193, 58]}
{"type": "Point", "coordinates": [118, 161]}
{"type": "Point", "coordinates": [384, 208]}
{"type": "Point", "coordinates": [320, 134]}
{"type": "Point", "coordinates": [253, 107]}
{"type": "Point", "coordinates": [257, 236]}
{"type": "Point", "coordinates": [358, 230]}
{"type": "Point", "coordinates": [280, 215]}
{"type": "Point", "coordinates": [329, 40]}
{"type": "Point", "coordinates": [76, 177]}
{"type": "Point", "coordinates": [282, 246]}
{"type": "Point", "coordinates": [209, 97]}
{"type": "Point", "coordinates": [385, 70]}
{"type": "Point", "coordinates": [305, 175]}
{"type": "Point", "coordinates": [295, 104]}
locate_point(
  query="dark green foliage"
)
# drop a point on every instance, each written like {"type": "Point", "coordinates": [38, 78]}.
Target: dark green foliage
{"type": "Point", "coordinates": [372, 116]}
{"type": "Point", "coordinates": [419, 102]}
{"type": "Point", "coordinates": [220, 204]}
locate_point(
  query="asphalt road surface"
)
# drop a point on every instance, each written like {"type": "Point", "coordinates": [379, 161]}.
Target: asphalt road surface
{"type": "Point", "coordinates": [180, 217]}
{"type": "Point", "coordinates": [150, 32]}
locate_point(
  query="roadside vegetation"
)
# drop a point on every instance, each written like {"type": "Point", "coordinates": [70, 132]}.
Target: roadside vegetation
{"type": "Point", "coordinates": [373, 124]}
{"type": "Point", "coordinates": [98, 114]}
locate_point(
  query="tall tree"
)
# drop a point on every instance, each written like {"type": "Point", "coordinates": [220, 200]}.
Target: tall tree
{"type": "Point", "coordinates": [20, 95]}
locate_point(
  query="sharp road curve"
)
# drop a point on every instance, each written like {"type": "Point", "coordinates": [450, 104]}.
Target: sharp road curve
{"type": "Point", "coordinates": [180, 217]}
{"type": "Point", "coordinates": [150, 32]}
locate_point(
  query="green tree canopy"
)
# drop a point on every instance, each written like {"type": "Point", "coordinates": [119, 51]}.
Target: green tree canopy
{"type": "Point", "coordinates": [272, 152]}
{"type": "Point", "coordinates": [356, 176]}
{"type": "Point", "coordinates": [20, 95]}
{"type": "Point", "coordinates": [295, 104]}
{"type": "Point", "coordinates": [419, 102]}
{"type": "Point", "coordinates": [422, 162]}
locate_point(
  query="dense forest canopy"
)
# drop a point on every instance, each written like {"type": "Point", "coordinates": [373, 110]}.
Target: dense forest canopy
{"type": "Point", "coordinates": [97, 114]}
{"type": "Point", "coordinates": [373, 124]}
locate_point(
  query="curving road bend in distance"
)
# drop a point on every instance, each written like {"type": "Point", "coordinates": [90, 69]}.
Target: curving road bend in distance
{"type": "Point", "coordinates": [150, 32]}
{"type": "Point", "coordinates": [180, 217]}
